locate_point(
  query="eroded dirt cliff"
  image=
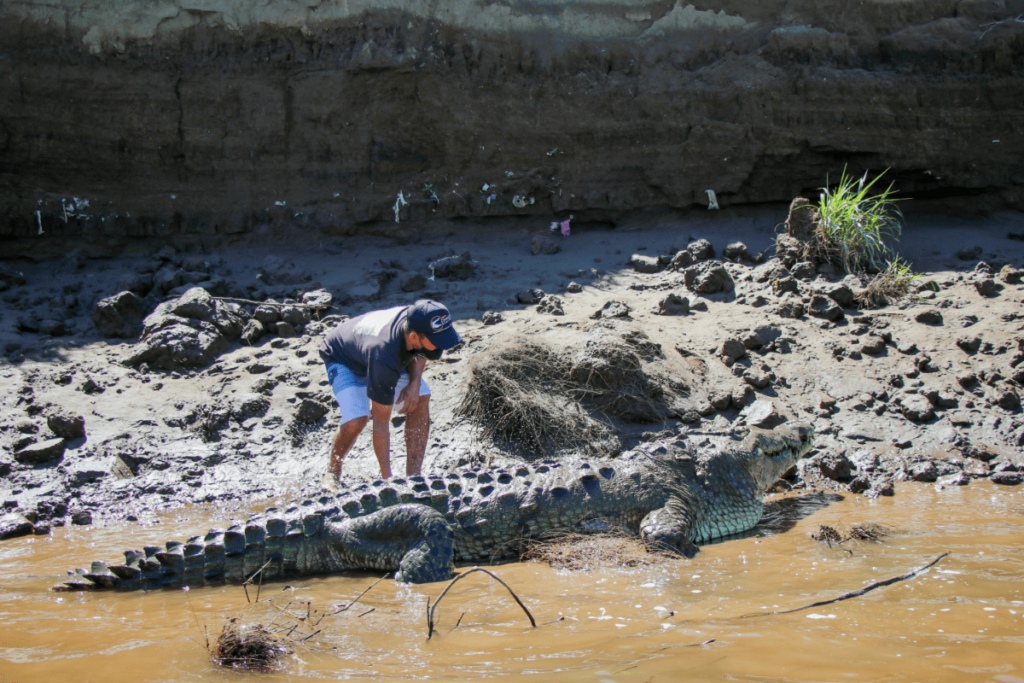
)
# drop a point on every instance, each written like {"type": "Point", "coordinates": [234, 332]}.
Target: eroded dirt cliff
{"type": "Point", "coordinates": [209, 118]}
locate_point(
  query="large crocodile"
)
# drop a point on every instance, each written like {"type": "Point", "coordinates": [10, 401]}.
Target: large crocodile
{"type": "Point", "coordinates": [420, 527]}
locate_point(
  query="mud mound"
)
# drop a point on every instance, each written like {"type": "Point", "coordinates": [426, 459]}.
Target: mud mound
{"type": "Point", "coordinates": [535, 396]}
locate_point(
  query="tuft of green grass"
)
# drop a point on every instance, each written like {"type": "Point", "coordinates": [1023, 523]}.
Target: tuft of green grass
{"type": "Point", "coordinates": [856, 227]}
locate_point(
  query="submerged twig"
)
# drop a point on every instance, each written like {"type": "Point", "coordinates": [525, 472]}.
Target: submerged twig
{"type": "Point", "coordinates": [349, 605]}
{"type": "Point", "coordinates": [856, 593]}
{"type": "Point", "coordinates": [432, 608]}
{"type": "Point", "coordinates": [302, 640]}
{"type": "Point", "coordinates": [206, 634]}
{"type": "Point", "coordinates": [258, 572]}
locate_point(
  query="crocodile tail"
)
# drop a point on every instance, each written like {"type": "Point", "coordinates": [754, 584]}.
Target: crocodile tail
{"type": "Point", "coordinates": [264, 548]}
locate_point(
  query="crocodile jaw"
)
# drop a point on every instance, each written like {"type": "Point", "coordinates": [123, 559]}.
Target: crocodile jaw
{"type": "Point", "coordinates": [768, 453]}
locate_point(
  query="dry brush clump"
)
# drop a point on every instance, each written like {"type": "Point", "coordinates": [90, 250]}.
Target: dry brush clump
{"type": "Point", "coordinates": [521, 395]}
{"type": "Point", "coordinates": [583, 552]}
{"type": "Point", "coordinates": [251, 647]}
{"type": "Point", "coordinates": [892, 284]}
{"type": "Point", "coordinates": [537, 397]}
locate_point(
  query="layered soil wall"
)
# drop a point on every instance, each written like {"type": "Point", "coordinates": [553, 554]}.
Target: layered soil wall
{"type": "Point", "coordinates": [208, 118]}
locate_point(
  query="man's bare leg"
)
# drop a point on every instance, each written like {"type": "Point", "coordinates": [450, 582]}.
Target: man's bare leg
{"type": "Point", "coordinates": [344, 439]}
{"type": "Point", "coordinates": [417, 428]}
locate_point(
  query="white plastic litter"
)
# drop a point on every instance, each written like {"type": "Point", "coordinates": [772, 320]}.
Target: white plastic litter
{"type": "Point", "coordinates": [712, 199]}
{"type": "Point", "coordinates": [399, 203]}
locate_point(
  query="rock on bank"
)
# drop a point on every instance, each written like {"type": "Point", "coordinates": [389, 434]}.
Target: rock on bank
{"type": "Point", "coordinates": [212, 118]}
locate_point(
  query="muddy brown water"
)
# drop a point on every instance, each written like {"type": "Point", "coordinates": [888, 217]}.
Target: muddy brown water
{"type": "Point", "coordinates": [962, 620]}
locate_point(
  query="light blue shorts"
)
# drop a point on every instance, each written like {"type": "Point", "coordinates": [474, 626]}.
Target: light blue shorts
{"type": "Point", "coordinates": [350, 391]}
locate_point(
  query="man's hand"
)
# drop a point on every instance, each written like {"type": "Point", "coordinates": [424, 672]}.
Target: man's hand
{"type": "Point", "coordinates": [408, 398]}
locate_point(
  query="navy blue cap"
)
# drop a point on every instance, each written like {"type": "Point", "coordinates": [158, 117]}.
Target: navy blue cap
{"type": "Point", "coordinates": [432, 319]}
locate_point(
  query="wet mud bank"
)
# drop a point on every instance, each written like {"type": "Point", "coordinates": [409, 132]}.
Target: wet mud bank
{"type": "Point", "coordinates": [135, 385]}
{"type": "Point", "coordinates": [203, 122]}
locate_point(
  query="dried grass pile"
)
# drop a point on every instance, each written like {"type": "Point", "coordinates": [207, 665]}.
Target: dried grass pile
{"type": "Point", "coordinates": [521, 395]}
{"type": "Point", "coordinates": [250, 647]}
{"type": "Point", "coordinates": [888, 286]}
{"type": "Point", "coordinates": [583, 552]}
{"type": "Point", "coordinates": [531, 395]}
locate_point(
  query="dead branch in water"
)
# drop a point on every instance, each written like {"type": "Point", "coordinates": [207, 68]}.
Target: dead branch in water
{"type": "Point", "coordinates": [259, 573]}
{"type": "Point", "coordinates": [856, 593]}
{"type": "Point", "coordinates": [255, 647]}
{"type": "Point", "coordinates": [432, 608]}
{"type": "Point", "coordinates": [349, 605]}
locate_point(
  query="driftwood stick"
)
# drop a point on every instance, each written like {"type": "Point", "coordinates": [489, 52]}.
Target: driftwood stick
{"type": "Point", "coordinates": [258, 572]}
{"type": "Point", "coordinates": [259, 586]}
{"type": "Point", "coordinates": [280, 611]}
{"type": "Point", "coordinates": [285, 611]}
{"type": "Point", "coordinates": [856, 593]}
{"type": "Point", "coordinates": [433, 608]}
{"type": "Point", "coordinates": [349, 605]}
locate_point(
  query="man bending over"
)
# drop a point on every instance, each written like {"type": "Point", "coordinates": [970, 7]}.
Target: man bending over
{"type": "Point", "coordinates": [375, 365]}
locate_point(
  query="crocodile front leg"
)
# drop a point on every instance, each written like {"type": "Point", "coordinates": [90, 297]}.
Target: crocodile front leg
{"type": "Point", "coordinates": [415, 541]}
{"type": "Point", "coordinates": [667, 530]}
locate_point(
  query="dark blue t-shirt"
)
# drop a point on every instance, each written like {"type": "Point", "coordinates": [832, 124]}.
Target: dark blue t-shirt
{"type": "Point", "coordinates": [372, 345]}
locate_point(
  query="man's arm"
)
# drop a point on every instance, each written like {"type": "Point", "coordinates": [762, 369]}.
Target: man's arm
{"type": "Point", "coordinates": [381, 415]}
{"type": "Point", "coordinates": [410, 396]}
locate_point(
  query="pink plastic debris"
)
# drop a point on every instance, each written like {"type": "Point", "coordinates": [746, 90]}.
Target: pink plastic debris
{"type": "Point", "coordinates": [565, 225]}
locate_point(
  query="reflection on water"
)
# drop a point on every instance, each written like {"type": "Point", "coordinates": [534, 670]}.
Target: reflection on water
{"type": "Point", "coordinates": [782, 514]}
{"type": "Point", "coordinates": [961, 620]}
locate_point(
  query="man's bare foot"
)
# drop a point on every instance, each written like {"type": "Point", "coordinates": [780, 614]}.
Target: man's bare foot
{"type": "Point", "coordinates": [329, 481]}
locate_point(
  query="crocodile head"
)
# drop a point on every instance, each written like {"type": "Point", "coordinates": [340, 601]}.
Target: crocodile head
{"type": "Point", "coordinates": [768, 453]}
